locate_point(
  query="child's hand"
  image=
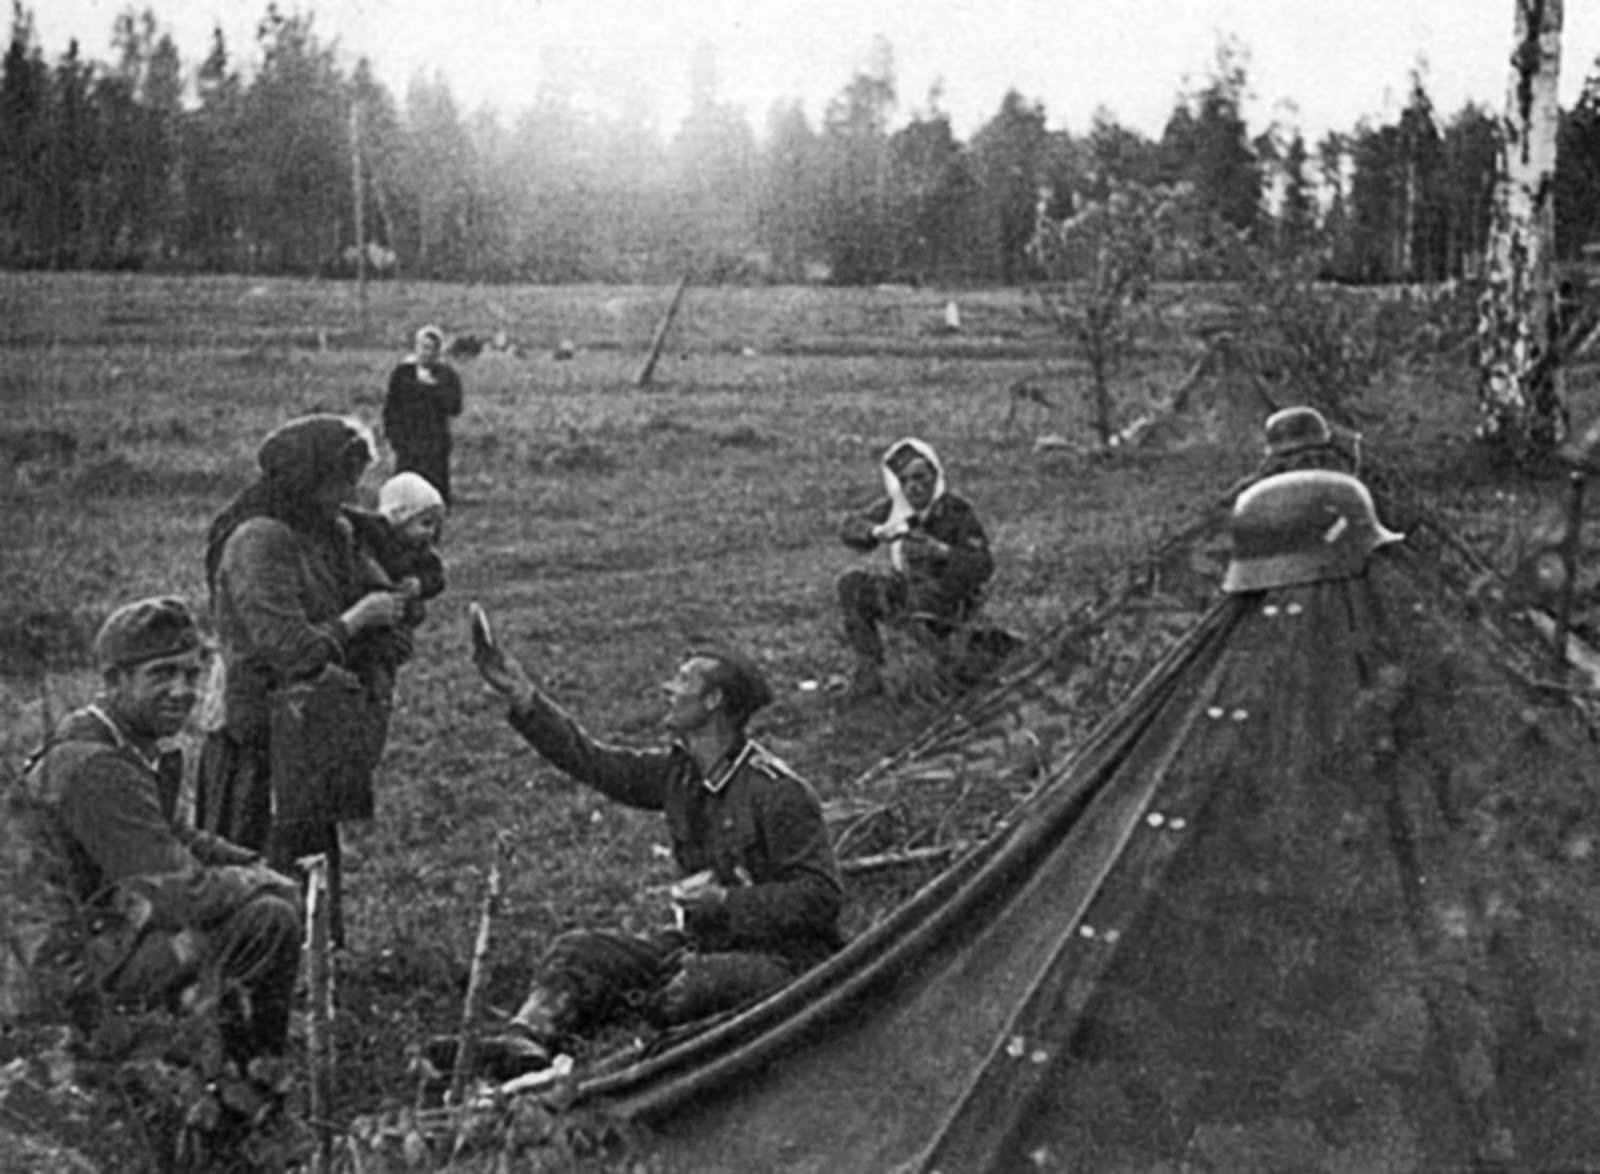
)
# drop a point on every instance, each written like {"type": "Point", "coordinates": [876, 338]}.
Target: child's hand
{"type": "Point", "coordinates": [410, 587]}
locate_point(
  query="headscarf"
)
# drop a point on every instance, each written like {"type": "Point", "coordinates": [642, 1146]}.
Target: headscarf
{"type": "Point", "coordinates": [425, 374]}
{"type": "Point", "coordinates": [901, 516]}
{"type": "Point", "coordinates": [296, 459]}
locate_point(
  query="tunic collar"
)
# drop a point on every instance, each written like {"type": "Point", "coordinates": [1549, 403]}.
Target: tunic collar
{"type": "Point", "coordinates": [724, 768]}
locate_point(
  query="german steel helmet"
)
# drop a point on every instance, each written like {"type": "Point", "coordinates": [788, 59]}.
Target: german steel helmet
{"type": "Point", "coordinates": [1293, 429]}
{"type": "Point", "coordinates": [1302, 527]}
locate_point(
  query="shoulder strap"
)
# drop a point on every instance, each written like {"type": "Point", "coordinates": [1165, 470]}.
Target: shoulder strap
{"type": "Point", "coordinates": [770, 764]}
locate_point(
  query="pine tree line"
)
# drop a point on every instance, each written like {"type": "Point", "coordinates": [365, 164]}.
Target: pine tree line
{"type": "Point", "coordinates": [142, 163]}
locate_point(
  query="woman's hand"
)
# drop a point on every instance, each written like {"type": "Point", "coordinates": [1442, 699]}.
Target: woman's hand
{"type": "Point", "coordinates": [922, 547]}
{"type": "Point", "coordinates": [857, 531]}
{"type": "Point", "coordinates": [376, 609]}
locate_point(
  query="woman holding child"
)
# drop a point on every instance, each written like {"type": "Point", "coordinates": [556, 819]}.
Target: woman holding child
{"type": "Point", "coordinates": [294, 600]}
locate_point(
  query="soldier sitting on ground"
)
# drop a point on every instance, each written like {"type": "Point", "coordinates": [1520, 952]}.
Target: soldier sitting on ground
{"type": "Point", "coordinates": [142, 903]}
{"type": "Point", "coordinates": [760, 895]}
{"type": "Point", "coordinates": [938, 554]}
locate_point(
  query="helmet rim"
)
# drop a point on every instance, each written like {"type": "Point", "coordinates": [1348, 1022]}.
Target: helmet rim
{"type": "Point", "coordinates": [1292, 430]}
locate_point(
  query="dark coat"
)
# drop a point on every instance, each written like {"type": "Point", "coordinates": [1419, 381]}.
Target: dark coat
{"type": "Point", "coordinates": [278, 596]}
{"type": "Point", "coordinates": [277, 599]}
{"type": "Point", "coordinates": [416, 421]}
{"type": "Point", "coordinates": [752, 822]}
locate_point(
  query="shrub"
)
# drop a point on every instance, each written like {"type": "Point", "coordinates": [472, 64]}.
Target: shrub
{"type": "Point", "coordinates": [1102, 263]}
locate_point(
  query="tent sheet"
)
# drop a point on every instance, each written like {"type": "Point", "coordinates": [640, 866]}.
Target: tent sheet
{"type": "Point", "coordinates": [1317, 895]}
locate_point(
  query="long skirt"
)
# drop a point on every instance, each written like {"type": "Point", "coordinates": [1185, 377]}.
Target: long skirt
{"type": "Point", "coordinates": [234, 800]}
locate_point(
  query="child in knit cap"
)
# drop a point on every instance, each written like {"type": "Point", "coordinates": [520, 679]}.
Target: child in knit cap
{"type": "Point", "coordinates": [398, 545]}
{"type": "Point", "coordinates": [414, 511]}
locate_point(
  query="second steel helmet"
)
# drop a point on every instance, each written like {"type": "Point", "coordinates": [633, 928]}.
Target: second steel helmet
{"type": "Point", "coordinates": [1292, 429]}
{"type": "Point", "coordinates": [1302, 527]}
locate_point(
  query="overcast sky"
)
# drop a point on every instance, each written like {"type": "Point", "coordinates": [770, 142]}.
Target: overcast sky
{"type": "Point", "coordinates": [1318, 64]}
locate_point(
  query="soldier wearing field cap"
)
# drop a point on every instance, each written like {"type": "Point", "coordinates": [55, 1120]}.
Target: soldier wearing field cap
{"type": "Point", "coordinates": [154, 901]}
{"type": "Point", "coordinates": [759, 896]}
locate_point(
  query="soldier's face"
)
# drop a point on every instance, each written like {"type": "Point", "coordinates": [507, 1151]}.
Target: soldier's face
{"type": "Point", "coordinates": [428, 350]}
{"type": "Point", "coordinates": [154, 699]}
{"type": "Point", "coordinates": [918, 480]}
{"type": "Point", "coordinates": [690, 702]}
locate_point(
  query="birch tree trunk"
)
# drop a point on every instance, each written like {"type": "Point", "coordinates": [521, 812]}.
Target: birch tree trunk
{"type": "Point", "coordinates": [1519, 379]}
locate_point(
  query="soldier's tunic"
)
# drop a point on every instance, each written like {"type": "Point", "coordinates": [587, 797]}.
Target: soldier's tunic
{"type": "Point", "coordinates": [138, 901]}
{"type": "Point", "coordinates": [752, 823]}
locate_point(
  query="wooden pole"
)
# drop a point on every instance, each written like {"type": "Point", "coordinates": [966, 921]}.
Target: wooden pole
{"type": "Point", "coordinates": [360, 210]}
{"type": "Point", "coordinates": [660, 340]}
{"type": "Point", "coordinates": [319, 1023]}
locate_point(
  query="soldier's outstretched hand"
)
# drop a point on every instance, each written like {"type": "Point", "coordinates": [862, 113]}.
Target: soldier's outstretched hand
{"type": "Point", "coordinates": [499, 669]}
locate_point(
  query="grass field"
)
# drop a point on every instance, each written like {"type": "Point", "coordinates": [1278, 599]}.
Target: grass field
{"type": "Point", "coordinates": [603, 525]}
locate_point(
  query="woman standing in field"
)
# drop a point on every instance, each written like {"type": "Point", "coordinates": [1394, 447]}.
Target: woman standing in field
{"type": "Point", "coordinates": [291, 604]}
{"type": "Point", "coordinates": [424, 394]}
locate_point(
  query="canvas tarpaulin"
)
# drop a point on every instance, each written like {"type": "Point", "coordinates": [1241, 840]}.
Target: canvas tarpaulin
{"type": "Point", "coordinates": [989, 749]}
{"type": "Point", "coordinates": [1315, 896]}
{"type": "Point", "coordinates": [975, 760]}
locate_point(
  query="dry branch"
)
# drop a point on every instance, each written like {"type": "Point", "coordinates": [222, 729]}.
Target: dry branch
{"type": "Point", "coordinates": [480, 951]}
{"type": "Point", "coordinates": [887, 860]}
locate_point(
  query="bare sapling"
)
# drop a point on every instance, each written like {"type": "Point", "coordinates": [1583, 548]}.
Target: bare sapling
{"type": "Point", "coordinates": [487, 912]}
{"type": "Point", "coordinates": [1100, 265]}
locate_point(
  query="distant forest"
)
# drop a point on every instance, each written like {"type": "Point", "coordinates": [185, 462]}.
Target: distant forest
{"type": "Point", "coordinates": [249, 162]}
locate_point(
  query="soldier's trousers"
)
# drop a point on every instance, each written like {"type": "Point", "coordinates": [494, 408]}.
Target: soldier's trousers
{"type": "Point", "coordinates": [256, 946]}
{"type": "Point", "coordinates": [594, 976]}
